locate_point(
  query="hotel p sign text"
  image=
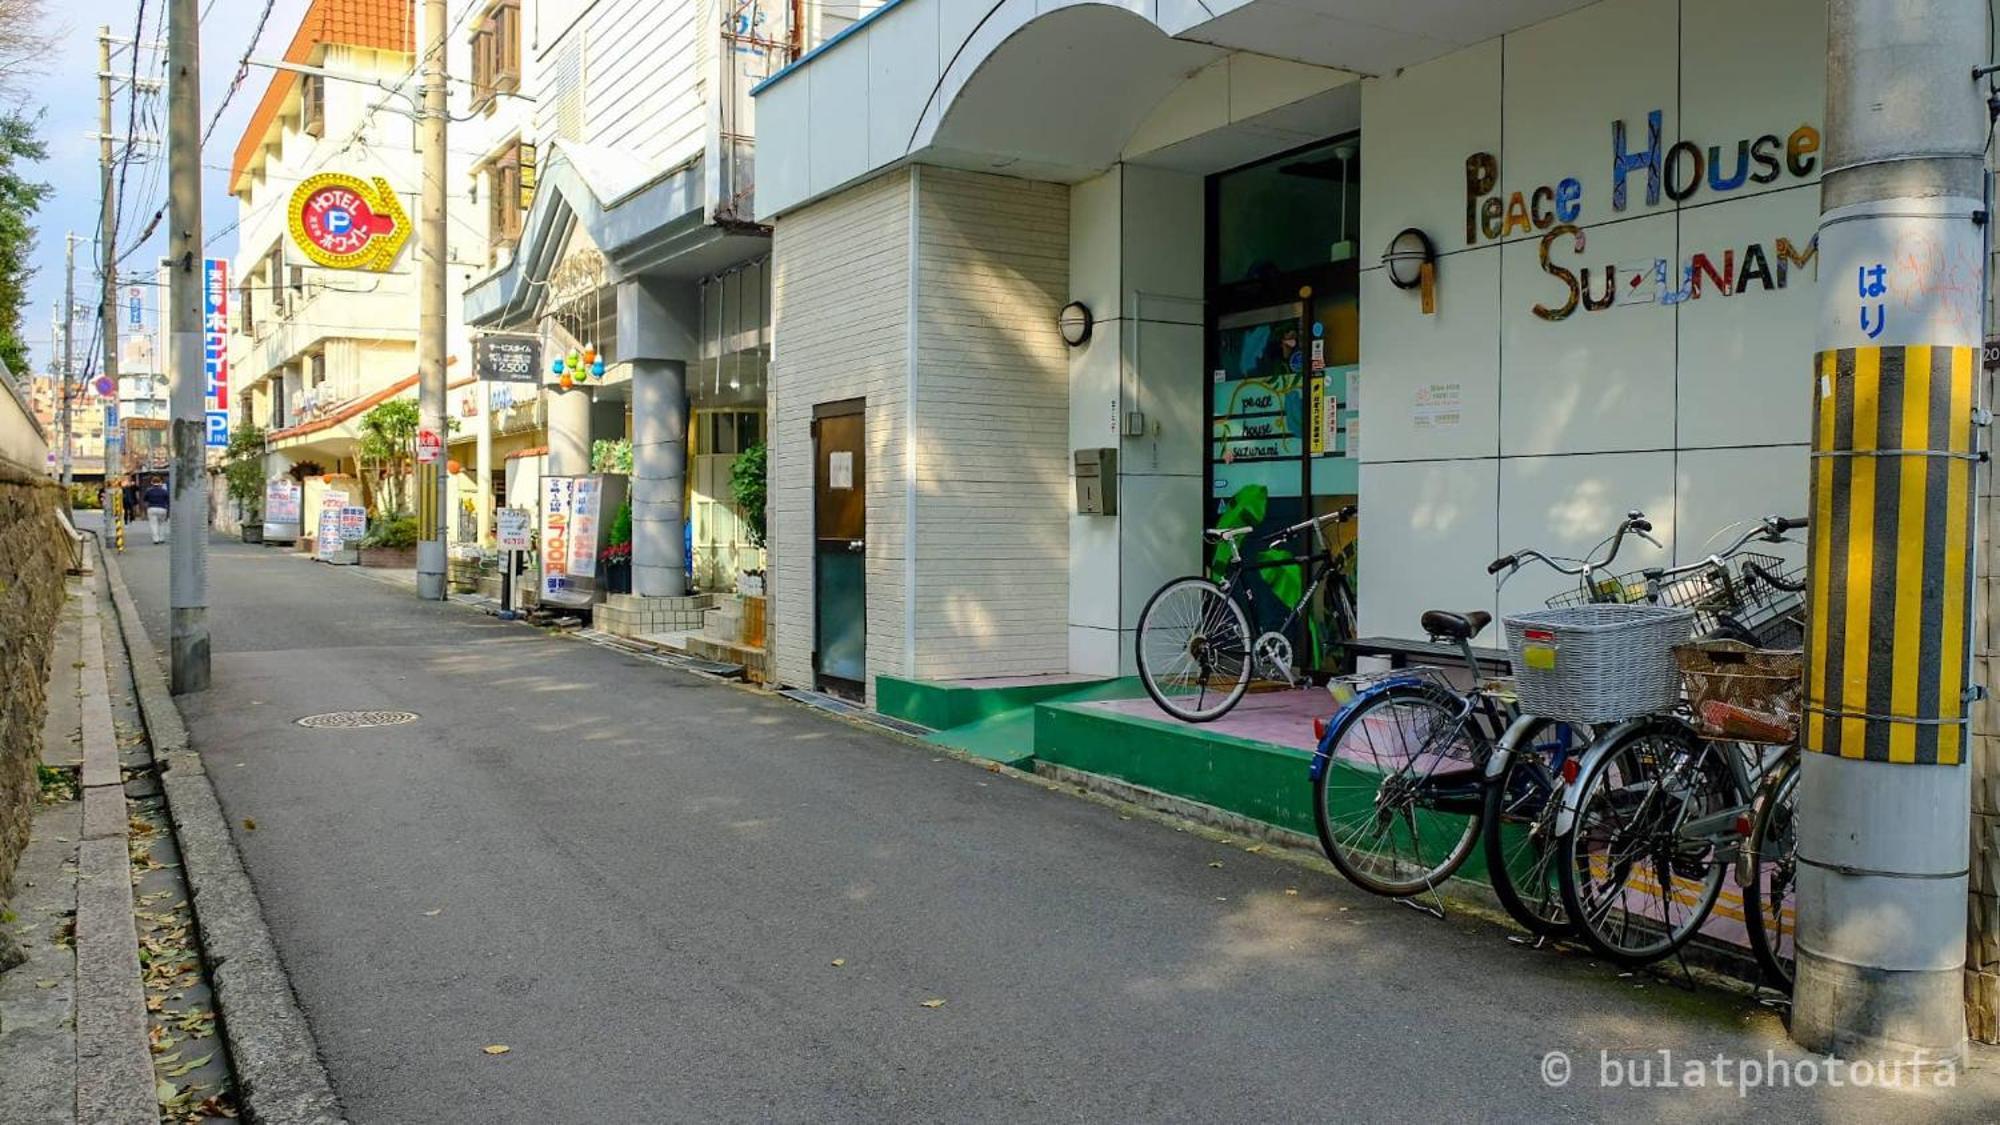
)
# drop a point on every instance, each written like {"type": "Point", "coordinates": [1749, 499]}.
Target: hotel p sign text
{"type": "Point", "coordinates": [343, 222]}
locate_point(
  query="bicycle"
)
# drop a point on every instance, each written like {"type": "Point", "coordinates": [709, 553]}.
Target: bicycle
{"type": "Point", "coordinates": [1410, 756]}
{"type": "Point", "coordinates": [1195, 637]}
{"type": "Point", "coordinates": [1665, 804]}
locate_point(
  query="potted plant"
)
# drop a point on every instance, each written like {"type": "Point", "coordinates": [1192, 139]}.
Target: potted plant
{"type": "Point", "coordinates": [615, 561]}
{"type": "Point", "coordinates": [243, 469]}
{"type": "Point", "coordinates": [747, 488]}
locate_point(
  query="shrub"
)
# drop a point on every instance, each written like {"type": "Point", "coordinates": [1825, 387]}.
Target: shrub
{"type": "Point", "coordinates": [747, 489]}
{"type": "Point", "coordinates": [392, 532]}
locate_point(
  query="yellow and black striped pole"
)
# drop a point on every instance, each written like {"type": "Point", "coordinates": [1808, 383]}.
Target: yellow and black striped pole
{"type": "Point", "coordinates": [1890, 574]}
{"type": "Point", "coordinates": [1883, 818]}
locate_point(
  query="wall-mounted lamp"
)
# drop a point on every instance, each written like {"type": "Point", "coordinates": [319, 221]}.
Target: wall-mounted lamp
{"type": "Point", "coordinates": [1412, 264]}
{"type": "Point", "coordinates": [1075, 322]}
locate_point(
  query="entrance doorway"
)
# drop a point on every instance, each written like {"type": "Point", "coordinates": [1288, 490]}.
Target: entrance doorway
{"type": "Point", "coordinates": [840, 550]}
{"type": "Point", "coordinates": [1283, 341]}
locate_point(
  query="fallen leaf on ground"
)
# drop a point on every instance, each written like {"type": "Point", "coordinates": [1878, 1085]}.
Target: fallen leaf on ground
{"type": "Point", "coordinates": [931, 1004]}
{"type": "Point", "coordinates": [1216, 863]}
{"type": "Point", "coordinates": [497, 1049]}
{"type": "Point", "coordinates": [46, 983]}
{"type": "Point", "coordinates": [1254, 848]}
{"type": "Point", "coordinates": [434, 913]}
{"type": "Point", "coordinates": [1291, 890]}
{"type": "Point", "coordinates": [250, 824]}
{"type": "Point", "coordinates": [839, 961]}
{"type": "Point", "coordinates": [190, 1065]}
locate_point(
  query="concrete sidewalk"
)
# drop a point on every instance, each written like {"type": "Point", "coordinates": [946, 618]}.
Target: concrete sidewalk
{"type": "Point", "coordinates": [672, 899]}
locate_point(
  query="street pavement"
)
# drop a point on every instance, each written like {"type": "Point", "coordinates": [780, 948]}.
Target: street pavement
{"type": "Point", "coordinates": [678, 900]}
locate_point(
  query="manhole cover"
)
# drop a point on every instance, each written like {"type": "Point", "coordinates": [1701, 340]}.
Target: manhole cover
{"type": "Point", "coordinates": [350, 720]}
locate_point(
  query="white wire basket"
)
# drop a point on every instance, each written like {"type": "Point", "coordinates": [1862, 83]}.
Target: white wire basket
{"type": "Point", "coordinates": [1597, 663]}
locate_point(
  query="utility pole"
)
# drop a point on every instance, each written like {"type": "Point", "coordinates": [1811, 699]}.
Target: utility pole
{"type": "Point", "coordinates": [188, 583]}
{"type": "Point", "coordinates": [69, 358]}
{"type": "Point", "coordinates": [107, 239]}
{"type": "Point", "coordinates": [431, 478]}
{"type": "Point", "coordinates": [1884, 797]}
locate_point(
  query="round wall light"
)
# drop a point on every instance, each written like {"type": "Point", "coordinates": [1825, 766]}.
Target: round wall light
{"type": "Point", "coordinates": [1075, 322]}
{"type": "Point", "coordinates": [1408, 253]}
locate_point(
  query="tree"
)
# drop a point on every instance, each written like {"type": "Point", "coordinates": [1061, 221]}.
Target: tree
{"type": "Point", "coordinates": [388, 452]}
{"type": "Point", "coordinates": [243, 468]}
{"type": "Point", "coordinates": [22, 40]}
{"type": "Point", "coordinates": [20, 198]}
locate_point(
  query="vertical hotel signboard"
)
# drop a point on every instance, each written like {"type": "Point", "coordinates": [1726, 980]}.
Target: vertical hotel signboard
{"type": "Point", "coordinates": [215, 348]}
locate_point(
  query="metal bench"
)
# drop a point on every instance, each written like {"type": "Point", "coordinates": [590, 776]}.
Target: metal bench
{"type": "Point", "coordinates": [1403, 652]}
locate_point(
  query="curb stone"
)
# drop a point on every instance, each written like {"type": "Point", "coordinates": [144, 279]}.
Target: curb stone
{"type": "Point", "coordinates": [114, 1067]}
{"type": "Point", "coordinates": [280, 1078]}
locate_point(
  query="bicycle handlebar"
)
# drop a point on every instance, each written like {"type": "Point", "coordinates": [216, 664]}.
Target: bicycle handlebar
{"type": "Point", "coordinates": [1771, 529]}
{"type": "Point", "coordinates": [1635, 522]}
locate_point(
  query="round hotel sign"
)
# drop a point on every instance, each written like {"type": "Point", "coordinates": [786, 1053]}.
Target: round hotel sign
{"type": "Point", "coordinates": [343, 222]}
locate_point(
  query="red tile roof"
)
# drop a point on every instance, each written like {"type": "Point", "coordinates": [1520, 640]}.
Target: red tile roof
{"type": "Point", "coordinates": [385, 25]}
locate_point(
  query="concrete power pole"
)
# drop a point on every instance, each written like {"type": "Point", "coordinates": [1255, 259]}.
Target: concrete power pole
{"type": "Point", "coordinates": [188, 583]}
{"type": "Point", "coordinates": [1884, 797]}
{"type": "Point", "coordinates": [107, 238]}
{"type": "Point", "coordinates": [431, 478]}
{"type": "Point", "coordinates": [66, 411]}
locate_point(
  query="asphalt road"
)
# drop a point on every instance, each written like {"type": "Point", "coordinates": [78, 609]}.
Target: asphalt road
{"type": "Point", "coordinates": [639, 882]}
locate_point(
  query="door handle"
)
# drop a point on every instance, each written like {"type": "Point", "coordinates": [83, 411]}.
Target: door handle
{"type": "Point", "coordinates": [856, 544]}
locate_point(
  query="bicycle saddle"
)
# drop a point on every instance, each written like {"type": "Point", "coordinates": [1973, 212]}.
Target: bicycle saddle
{"type": "Point", "coordinates": [1217, 535]}
{"type": "Point", "coordinates": [1455, 626]}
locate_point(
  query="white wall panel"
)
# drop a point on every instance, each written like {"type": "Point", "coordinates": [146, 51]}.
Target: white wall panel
{"type": "Point", "coordinates": [1720, 488]}
{"type": "Point", "coordinates": [1402, 350]}
{"type": "Point", "coordinates": [1745, 360]}
{"type": "Point", "coordinates": [1748, 70]}
{"type": "Point", "coordinates": [1594, 381]}
{"type": "Point", "coordinates": [902, 70]}
{"type": "Point", "coordinates": [1427, 533]}
{"type": "Point", "coordinates": [1416, 131]}
{"type": "Point", "coordinates": [1566, 505]}
{"type": "Point", "coordinates": [1568, 79]}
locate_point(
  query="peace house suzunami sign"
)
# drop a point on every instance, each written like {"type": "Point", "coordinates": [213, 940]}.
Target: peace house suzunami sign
{"type": "Point", "coordinates": [1680, 172]}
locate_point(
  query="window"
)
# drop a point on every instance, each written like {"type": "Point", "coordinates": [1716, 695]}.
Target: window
{"type": "Point", "coordinates": [510, 186]}
{"type": "Point", "coordinates": [496, 53]}
{"type": "Point", "coordinates": [312, 104]}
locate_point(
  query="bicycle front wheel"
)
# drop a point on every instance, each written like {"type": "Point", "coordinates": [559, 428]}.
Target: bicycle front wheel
{"type": "Point", "coordinates": [1770, 888]}
{"type": "Point", "coordinates": [1519, 827]}
{"type": "Point", "coordinates": [1194, 650]}
{"type": "Point", "coordinates": [1397, 800]}
{"type": "Point", "coordinates": [1638, 875]}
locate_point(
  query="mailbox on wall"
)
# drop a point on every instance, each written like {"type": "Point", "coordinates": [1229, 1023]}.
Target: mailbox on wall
{"type": "Point", "coordinates": [1097, 482]}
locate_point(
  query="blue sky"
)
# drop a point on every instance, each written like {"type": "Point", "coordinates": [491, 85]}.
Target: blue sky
{"type": "Point", "coordinates": [66, 92]}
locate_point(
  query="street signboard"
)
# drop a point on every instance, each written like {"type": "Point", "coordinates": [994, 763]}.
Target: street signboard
{"type": "Point", "coordinates": [328, 543]}
{"type": "Point", "coordinates": [215, 349]}
{"type": "Point", "coordinates": [513, 528]}
{"type": "Point", "coordinates": [429, 446]}
{"type": "Point", "coordinates": [135, 306]}
{"type": "Point", "coordinates": [583, 507]}
{"type": "Point", "coordinates": [500, 358]}
{"type": "Point", "coordinates": [353, 523]}
{"type": "Point", "coordinates": [281, 500]}
{"type": "Point", "coordinates": [344, 222]}
{"type": "Point", "coordinates": [556, 495]}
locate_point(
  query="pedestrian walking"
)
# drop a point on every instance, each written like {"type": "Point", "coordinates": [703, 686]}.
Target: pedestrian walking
{"type": "Point", "coordinates": [131, 499]}
{"type": "Point", "coordinates": [156, 509]}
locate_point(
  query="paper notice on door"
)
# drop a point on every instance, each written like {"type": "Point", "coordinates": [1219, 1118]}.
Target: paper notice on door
{"type": "Point", "coordinates": [1437, 406]}
{"type": "Point", "coordinates": [840, 469]}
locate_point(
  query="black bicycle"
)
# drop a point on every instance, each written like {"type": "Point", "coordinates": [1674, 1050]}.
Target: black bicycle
{"type": "Point", "coordinates": [1200, 641]}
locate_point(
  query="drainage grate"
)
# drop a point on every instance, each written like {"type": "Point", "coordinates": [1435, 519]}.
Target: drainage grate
{"type": "Point", "coordinates": [352, 720]}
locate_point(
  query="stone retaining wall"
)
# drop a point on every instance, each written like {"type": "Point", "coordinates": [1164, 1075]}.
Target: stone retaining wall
{"type": "Point", "coordinates": [33, 559]}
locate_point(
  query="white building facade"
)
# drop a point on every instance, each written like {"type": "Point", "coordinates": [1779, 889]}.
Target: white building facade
{"type": "Point", "coordinates": [1622, 197]}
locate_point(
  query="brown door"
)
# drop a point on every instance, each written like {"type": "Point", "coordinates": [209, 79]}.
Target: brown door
{"type": "Point", "coordinates": [840, 521]}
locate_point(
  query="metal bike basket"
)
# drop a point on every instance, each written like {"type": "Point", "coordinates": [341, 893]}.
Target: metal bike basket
{"type": "Point", "coordinates": [1597, 663]}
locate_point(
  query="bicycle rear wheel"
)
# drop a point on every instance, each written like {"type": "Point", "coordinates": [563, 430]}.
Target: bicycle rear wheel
{"type": "Point", "coordinates": [1519, 827]}
{"type": "Point", "coordinates": [1194, 650]}
{"type": "Point", "coordinates": [1769, 891]}
{"type": "Point", "coordinates": [1635, 884]}
{"type": "Point", "coordinates": [1397, 799]}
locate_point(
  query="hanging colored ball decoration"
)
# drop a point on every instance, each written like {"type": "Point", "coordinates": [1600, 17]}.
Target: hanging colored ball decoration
{"type": "Point", "coordinates": [556, 366]}
{"type": "Point", "coordinates": [589, 355]}
{"type": "Point", "coordinates": [565, 381]}
{"type": "Point", "coordinates": [597, 370]}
